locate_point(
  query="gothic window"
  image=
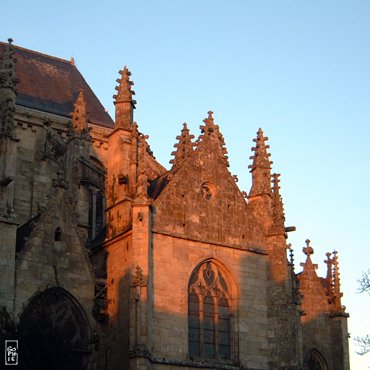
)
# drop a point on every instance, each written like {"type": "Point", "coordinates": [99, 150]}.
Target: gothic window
{"type": "Point", "coordinates": [209, 316]}
{"type": "Point", "coordinates": [96, 212]}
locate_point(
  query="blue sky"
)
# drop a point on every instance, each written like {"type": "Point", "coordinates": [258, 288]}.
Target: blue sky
{"type": "Point", "coordinates": [298, 69]}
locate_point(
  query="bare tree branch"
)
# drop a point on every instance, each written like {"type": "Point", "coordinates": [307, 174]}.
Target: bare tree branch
{"type": "Point", "coordinates": [363, 343]}
{"type": "Point", "coordinates": [365, 282]}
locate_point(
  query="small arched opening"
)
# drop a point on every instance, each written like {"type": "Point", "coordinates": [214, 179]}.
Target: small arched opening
{"type": "Point", "coordinates": [315, 361]}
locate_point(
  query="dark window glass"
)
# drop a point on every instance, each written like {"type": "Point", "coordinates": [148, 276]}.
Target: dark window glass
{"type": "Point", "coordinates": [91, 216]}
{"type": "Point", "coordinates": [96, 212]}
{"type": "Point", "coordinates": [99, 212]}
{"type": "Point", "coordinates": [224, 328]}
{"type": "Point", "coordinates": [209, 327]}
{"type": "Point", "coordinates": [194, 325]}
{"type": "Point", "coordinates": [209, 314]}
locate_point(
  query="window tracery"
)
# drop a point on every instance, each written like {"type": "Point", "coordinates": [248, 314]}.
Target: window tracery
{"type": "Point", "coordinates": [209, 314]}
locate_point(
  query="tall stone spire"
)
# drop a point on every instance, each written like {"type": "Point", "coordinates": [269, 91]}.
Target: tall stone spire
{"type": "Point", "coordinates": [124, 102]}
{"type": "Point", "coordinates": [79, 115]}
{"type": "Point", "coordinates": [260, 167]}
{"type": "Point", "coordinates": [8, 81]}
{"type": "Point", "coordinates": [184, 148]}
{"type": "Point", "coordinates": [212, 136]}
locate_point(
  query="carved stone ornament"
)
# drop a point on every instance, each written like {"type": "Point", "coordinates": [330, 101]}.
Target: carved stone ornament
{"type": "Point", "coordinates": [54, 146]}
{"type": "Point", "coordinates": [208, 190]}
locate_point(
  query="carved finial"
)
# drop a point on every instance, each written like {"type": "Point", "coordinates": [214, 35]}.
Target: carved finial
{"type": "Point", "coordinates": [79, 115]}
{"type": "Point", "coordinates": [209, 126]}
{"type": "Point", "coordinates": [212, 136]}
{"type": "Point", "coordinates": [72, 61]}
{"type": "Point", "coordinates": [260, 167]}
{"type": "Point", "coordinates": [308, 266]}
{"type": "Point", "coordinates": [138, 277]}
{"type": "Point", "coordinates": [124, 102]}
{"type": "Point", "coordinates": [308, 250]}
{"type": "Point", "coordinates": [124, 92]}
{"type": "Point", "coordinates": [184, 148]}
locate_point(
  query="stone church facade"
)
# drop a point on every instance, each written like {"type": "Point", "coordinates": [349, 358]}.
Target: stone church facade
{"type": "Point", "coordinates": [109, 261]}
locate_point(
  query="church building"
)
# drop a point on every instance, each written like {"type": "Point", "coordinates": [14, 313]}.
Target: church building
{"type": "Point", "coordinates": [110, 261]}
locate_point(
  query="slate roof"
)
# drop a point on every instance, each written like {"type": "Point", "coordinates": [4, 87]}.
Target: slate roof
{"type": "Point", "coordinates": [156, 186]}
{"type": "Point", "coordinates": [51, 85]}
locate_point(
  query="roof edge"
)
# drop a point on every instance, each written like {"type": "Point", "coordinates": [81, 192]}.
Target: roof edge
{"type": "Point", "coordinates": [41, 54]}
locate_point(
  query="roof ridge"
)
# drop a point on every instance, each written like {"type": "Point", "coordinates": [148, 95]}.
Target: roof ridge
{"type": "Point", "coordinates": [38, 53]}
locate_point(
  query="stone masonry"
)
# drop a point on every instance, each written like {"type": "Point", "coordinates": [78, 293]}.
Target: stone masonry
{"type": "Point", "coordinates": [109, 261]}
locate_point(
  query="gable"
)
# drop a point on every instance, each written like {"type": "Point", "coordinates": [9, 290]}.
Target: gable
{"type": "Point", "coordinates": [53, 254]}
{"type": "Point", "coordinates": [202, 202]}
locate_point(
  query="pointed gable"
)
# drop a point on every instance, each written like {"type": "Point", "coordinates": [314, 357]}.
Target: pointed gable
{"type": "Point", "coordinates": [202, 202]}
{"type": "Point", "coordinates": [51, 251]}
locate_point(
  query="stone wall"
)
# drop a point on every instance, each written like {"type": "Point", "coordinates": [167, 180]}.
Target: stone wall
{"type": "Point", "coordinates": [174, 259]}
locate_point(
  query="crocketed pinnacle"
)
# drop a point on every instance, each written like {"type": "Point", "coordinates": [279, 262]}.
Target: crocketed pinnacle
{"type": "Point", "coordinates": [124, 92]}
{"type": "Point", "coordinates": [124, 103]}
{"type": "Point", "coordinates": [336, 283]}
{"type": "Point", "coordinates": [260, 167]}
{"type": "Point", "coordinates": [142, 178]}
{"type": "Point", "coordinates": [8, 77]}
{"type": "Point", "coordinates": [277, 202]}
{"type": "Point", "coordinates": [329, 275]}
{"type": "Point", "coordinates": [333, 282]}
{"type": "Point", "coordinates": [8, 81]}
{"type": "Point", "coordinates": [79, 115]}
{"type": "Point", "coordinates": [184, 147]}
{"type": "Point", "coordinates": [211, 134]}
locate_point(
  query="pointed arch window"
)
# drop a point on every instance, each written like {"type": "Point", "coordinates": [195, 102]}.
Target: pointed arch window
{"type": "Point", "coordinates": [209, 314]}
